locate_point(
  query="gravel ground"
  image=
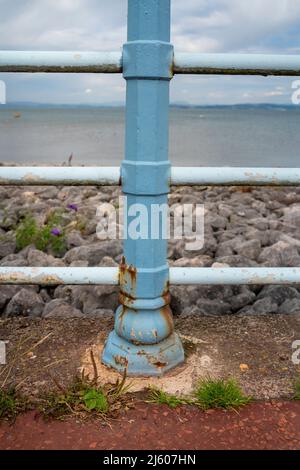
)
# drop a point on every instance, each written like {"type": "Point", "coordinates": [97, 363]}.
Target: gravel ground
{"type": "Point", "coordinates": [256, 350]}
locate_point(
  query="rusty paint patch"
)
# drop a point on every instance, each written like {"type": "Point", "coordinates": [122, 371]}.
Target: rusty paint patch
{"type": "Point", "coordinates": [20, 278]}
{"type": "Point", "coordinates": [122, 313]}
{"type": "Point", "coordinates": [141, 353]}
{"type": "Point", "coordinates": [132, 333]}
{"type": "Point", "coordinates": [125, 298]}
{"type": "Point", "coordinates": [233, 71]}
{"type": "Point", "coordinates": [159, 364]}
{"type": "Point", "coordinates": [121, 360]}
{"type": "Point", "coordinates": [128, 273]}
{"type": "Point", "coordinates": [168, 317]}
{"type": "Point", "coordinates": [105, 68]}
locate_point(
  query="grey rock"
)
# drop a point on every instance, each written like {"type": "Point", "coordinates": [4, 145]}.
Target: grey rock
{"type": "Point", "coordinates": [26, 302]}
{"type": "Point", "coordinates": [45, 295]}
{"type": "Point", "coordinates": [61, 310]}
{"type": "Point", "coordinates": [8, 220]}
{"type": "Point", "coordinates": [6, 293]}
{"type": "Point", "coordinates": [94, 253]}
{"type": "Point", "coordinates": [280, 254]}
{"type": "Point", "coordinates": [260, 223]}
{"type": "Point", "coordinates": [7, 245]}
{"type": "Point", "coordinates": [74, 239]}
{"type": "Point", "coordinates": [39, 258]}
{"type": "Point", "coordinates": [48, 193]}
{"type": "Point", "coordinates": [213, 307]}
{"type": "Point", "coordinates": [102, 313]}
{"type": "Point", "coordinates": [107, 296]}
{"type": "Point", "coordinates": [290, 306]}
{"type": "Point", "coordinates": [261, 306]}
{"type": "Point", "coordinates": [279, 294]}
{"type": "Point", "coordinates": [13, 260]}
{"type": "Point", "coordinates": [109, 262]}
{"type": "Point", "coordinates": [241, 300]}
{"type": "Point", "coordinates": [225, 210]}
{"type": "Point", "coordinates": [250, 249]}
{"type": "Point", "coordinates": [89, 298]}
{"type": "Point", "coordinates": [261, 235]}
{"type": "Point", "coordinates": [292, 214]}
{"type": "Point", "coordinates": [79, 263]}
{"type": "Point", "coordinates": [198, 261]}
{"type": "Point", "coordinates": [216, 221]}
{"type": "Point", "coordinates": [224, 249]}
{"type": "Point", "coordinates": [53, 304]}
{"type": "Point", "coordinates": [236, 261]}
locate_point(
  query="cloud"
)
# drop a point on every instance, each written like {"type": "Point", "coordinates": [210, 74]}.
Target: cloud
{"type": "Point", "coordinates": [270, 26]}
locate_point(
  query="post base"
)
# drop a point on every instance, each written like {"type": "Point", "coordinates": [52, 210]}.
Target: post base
{"type": "Point", "coordinates": [145, 359]}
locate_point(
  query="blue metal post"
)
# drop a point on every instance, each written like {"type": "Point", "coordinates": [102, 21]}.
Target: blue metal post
{"type": "Point", "coordinates": [143, 339]}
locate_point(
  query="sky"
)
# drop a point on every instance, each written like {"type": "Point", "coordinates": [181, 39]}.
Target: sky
{"type": "Point", "coordinates": [255, 26]}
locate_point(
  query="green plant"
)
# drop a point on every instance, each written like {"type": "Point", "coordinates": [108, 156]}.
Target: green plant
{"type": "Point", "coordinates": [297, 390]}
{"type": "Point", "coordinates": [95, 399]}
{"type": "Point", "coordinates": [26, 232]}
{"type": "Point", "coordinates": [160, 397]}
{"type": "Point", "coordinates": [11, 404]}
{"type": "Point", "coordinates": [86, 396]}
{"type": "Point", "coordinates": [220, 394]}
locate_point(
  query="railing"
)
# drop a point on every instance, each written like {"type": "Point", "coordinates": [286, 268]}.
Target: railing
{"type": "Point", "coordinates": [143, 339]}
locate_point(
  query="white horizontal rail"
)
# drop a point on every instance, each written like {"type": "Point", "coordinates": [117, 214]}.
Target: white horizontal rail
{"type": "Point", "coordinates": [184, 63]}
{"type": "Point", "coordinates": [234, 276]}
{"type": "Point", "coordinates": [237, 64]}
{"type": "Point", "coordinates": [101, 176]}
{"type": "Point", "coordinates": [59, 276]}
{"type": "Point", "coordinates": [234, 176]}
{"type": "Point", "coordinates": [97, 275]}
{"type": "Point", "coordinates": [59, 175]}
{"type": "Point", "coordinates": [62, 62]}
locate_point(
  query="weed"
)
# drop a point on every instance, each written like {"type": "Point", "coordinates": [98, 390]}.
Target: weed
{"type": "Point", "coordinates": [160, 397]}
{"type": "Point", "coordinates": [95, 399]}
{"type": "Point", "coordinates": [85, 396]}
{"type": "Point", "coordinates": [297, 390]}
{"type": "Point", "coordinates": [11, 404]}
{"type": "Point", "coordinates": [28, 232]}
{"type": "Point", "coordinates": [220, 394]}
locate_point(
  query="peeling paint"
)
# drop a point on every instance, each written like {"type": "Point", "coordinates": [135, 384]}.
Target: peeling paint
{"type": "Point", "coordinates": [168, 317]}
{"type": "Point", "coordinates": [121, 360]}
{"type": "Point", "coordinates": [128, 276]}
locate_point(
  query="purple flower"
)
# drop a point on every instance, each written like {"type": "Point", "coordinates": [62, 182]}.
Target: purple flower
{"type": "Point", "coordinates": [73, 207]}
{"type": "Point", "coordinates": [56, 232]}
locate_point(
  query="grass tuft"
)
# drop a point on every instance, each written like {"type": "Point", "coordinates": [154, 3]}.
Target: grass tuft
{"type": "Point", "coordinates": [220, 393]}
{"type": "Point", "coordinates": [297, 390]}
{"type": "Point", "coordinates": [163, 398]}
{"type": "Point", "coordinates": [11, 404]}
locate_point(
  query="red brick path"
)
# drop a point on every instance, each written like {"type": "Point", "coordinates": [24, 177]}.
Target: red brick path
{"type": "Point", "coordinates": [273, 425]}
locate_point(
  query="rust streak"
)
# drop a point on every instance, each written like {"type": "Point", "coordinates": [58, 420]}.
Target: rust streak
{"type": "Point", "coordinates": [121, 360]}
{"type": "Point", "coordinates": [168, 317]}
